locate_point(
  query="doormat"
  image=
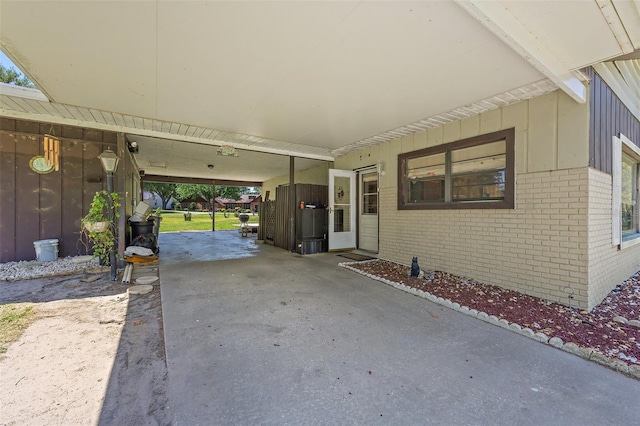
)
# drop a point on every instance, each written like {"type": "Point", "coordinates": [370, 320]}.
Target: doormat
{"type": "Point", "coordinates": [356, 257]}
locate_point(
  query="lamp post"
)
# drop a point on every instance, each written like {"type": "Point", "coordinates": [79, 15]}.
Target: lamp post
{"type": "Point", "coordinates": [109, 161]}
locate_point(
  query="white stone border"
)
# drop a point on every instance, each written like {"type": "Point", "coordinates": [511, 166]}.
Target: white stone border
{"type": "Point", "coordinates": [586, 353]}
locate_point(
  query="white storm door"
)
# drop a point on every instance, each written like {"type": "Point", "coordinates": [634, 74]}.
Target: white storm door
{"type": "Point", "coordinates": [368, 213]}
{"type": "Point", "coordinates": [342, 209]}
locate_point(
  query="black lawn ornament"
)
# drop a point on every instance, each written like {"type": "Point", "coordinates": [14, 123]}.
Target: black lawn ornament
{"type": "Point", "coordinates": [415, 269]}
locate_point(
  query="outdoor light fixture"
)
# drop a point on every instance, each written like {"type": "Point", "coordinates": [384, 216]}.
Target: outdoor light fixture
{"type": "Point", "coordinates": [109, 160]}
{"type": "Point", "coordinates": [133, 147]}
{"type": "Point", "coordinates": [227, 150]}
{"type": "Point", "coordinates": [52, 152]}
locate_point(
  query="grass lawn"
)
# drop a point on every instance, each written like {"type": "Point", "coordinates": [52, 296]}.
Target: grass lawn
{"type": "Point", "coordinates": [173, 221]}
{"type": "Point", "coordinates": [14, 319]}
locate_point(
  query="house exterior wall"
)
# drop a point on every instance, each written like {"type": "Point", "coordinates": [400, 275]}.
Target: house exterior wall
{"type": "Point", "coordinates": [318, 175]}
{"type": "Point", "coordinates": [49, 206]}
{"type": "Point", "coordinates": [539, 248]}
{"type": "Point", "coordinates": [609, 117]}
{"type": "Point", "coordinates": [608, 266]}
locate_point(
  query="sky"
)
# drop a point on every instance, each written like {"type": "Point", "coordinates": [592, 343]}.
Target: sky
{"type": "Point", "coordinates": [6, 62]}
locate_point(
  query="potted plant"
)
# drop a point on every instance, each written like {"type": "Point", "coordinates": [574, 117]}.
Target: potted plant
{"type": "Point", "coordinates": [97, 225]}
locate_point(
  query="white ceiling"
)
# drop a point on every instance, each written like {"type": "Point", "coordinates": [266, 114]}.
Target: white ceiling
{"type": "Point", "coordinates": [163, 156]}
{"type": "Point", "coordinates": [311, 79]}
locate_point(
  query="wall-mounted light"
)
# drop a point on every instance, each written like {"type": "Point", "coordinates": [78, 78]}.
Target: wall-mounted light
{"type": "Point", "coordinates": [381, 169]}
{"type": "Point", "coordinates": [109, 160]}
{"type": "Point", "coordinates": [133, 147]}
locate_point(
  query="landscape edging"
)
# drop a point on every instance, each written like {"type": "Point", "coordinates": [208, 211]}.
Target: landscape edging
{"type": "Point", "coordinates": [590, 354]}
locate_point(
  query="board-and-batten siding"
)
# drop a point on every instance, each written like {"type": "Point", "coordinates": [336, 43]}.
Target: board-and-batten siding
{"type": "Point", "coordinates": [608, 117]}
{"type": "Point", "coordinates": [35, 207]}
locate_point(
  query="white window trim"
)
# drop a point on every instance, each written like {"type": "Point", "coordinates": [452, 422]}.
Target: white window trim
{"type": "Point", "coordinates": [620, 144]}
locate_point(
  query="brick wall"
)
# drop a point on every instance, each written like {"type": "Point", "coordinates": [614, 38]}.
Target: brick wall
{"type": "Point", "coordinates": [608, 266]}
{"type": "Point", "coordinates": [556, 241]}
{"type": "Point", "coordinates": [540, 248]}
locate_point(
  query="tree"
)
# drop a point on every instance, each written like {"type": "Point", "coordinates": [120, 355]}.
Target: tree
{"type": "Point", "coordinates": [249, 190]}
{"type": "Point", "coordinates": [192, 191]}
{"type": "Point", "coordinates": [15, 77]}
{"type": "Point", "coordinates": [166, 191]}
{"type": "Point", "coordinates": [231, 192]}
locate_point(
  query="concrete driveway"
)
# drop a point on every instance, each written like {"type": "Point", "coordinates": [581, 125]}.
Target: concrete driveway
{"type": "Point", "coordinates": [269, 337]}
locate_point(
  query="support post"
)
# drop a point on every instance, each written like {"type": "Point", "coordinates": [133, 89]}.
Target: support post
{"type": "Point", "coordinates": [112, 252]}
{"type": "Point", "coordinates": [213, 205]}
{"type": "Point", "coordinates": [119, 187]}
{"type": "Point", "coordinates": [292, 205]}
{"type": "Point", "coordinates": [141, 190]}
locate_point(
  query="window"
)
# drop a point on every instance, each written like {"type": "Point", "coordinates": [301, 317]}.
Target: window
{"type": "Point", "coordinates": [628, 196]}
{"type": "Point", "coordinates": [626, 163]}
{"type": "Point", "coordinates": [472, 173]}
{"type": "Point", "coordinates": [370, 193]}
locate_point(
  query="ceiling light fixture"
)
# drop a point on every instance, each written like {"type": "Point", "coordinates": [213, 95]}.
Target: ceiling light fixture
{"type": "Point", "coordinates": [228, 151]}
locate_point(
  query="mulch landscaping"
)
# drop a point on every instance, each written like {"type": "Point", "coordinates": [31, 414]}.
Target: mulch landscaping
{"type": "Point", "coordinates": [595, 329]}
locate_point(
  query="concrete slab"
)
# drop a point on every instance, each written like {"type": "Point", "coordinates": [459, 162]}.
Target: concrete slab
{"type": "Point", "coordinates": [279, 338]}
{"type": "Point", "coordinates": [179, 247]}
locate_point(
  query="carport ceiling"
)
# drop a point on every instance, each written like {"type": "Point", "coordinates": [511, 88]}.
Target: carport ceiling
{"type": "Point", "coordinates": [310, 79]}
{"type": "Point", "coordinates": [165, 157]}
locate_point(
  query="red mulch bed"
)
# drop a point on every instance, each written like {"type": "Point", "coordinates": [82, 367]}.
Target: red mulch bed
{"type": "Point", "coordinates": [595, 329]}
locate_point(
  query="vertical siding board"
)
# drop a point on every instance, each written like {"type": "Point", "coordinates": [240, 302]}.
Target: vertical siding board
{"type": "Point", "coordinates": [592, 121]}
{"type": "Point", "coordinates": [91, 169]}
{"type": "Point", "coordinates": [50, 204]}
{"type": "Point", "coordinates": [543, 133]}
{"type": "Point", "coordinates": [516, 116]}
{"type": "Point", "coordinates": [596, 114]}
{"type": "Point", "coordinates": [27, 198]}
{"type": "Point", "coordinates": [7, 197]}
{"type": "Point", "coordinates": [573, 133]}
{"type": "Point", "coordinates": [281, 237]}
{"type": "Point", "coordinates": [608, 117]}
{"type": "Point", "coordinates": [72, 200]}
{"type": "Point", "coordinates": [606, 129]}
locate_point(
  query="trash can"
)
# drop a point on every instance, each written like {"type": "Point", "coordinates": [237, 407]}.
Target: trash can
{"type": "Point", "coordinates": [156, 224]}
{"type": "Point", "coordinates": [46, 250]}
{"type": "Point", "coordinates": [141, 228]}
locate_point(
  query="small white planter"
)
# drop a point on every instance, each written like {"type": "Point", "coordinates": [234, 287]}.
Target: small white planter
{"type": "Point", "coordinates": [96, 226]}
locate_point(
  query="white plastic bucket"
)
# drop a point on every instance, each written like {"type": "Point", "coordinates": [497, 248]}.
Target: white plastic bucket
{"type": "Point", "coordinates": [46, 250]}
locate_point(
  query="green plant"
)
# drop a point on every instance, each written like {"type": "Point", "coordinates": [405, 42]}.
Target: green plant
{"type": "Point", "coordinates": [102, 238]}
